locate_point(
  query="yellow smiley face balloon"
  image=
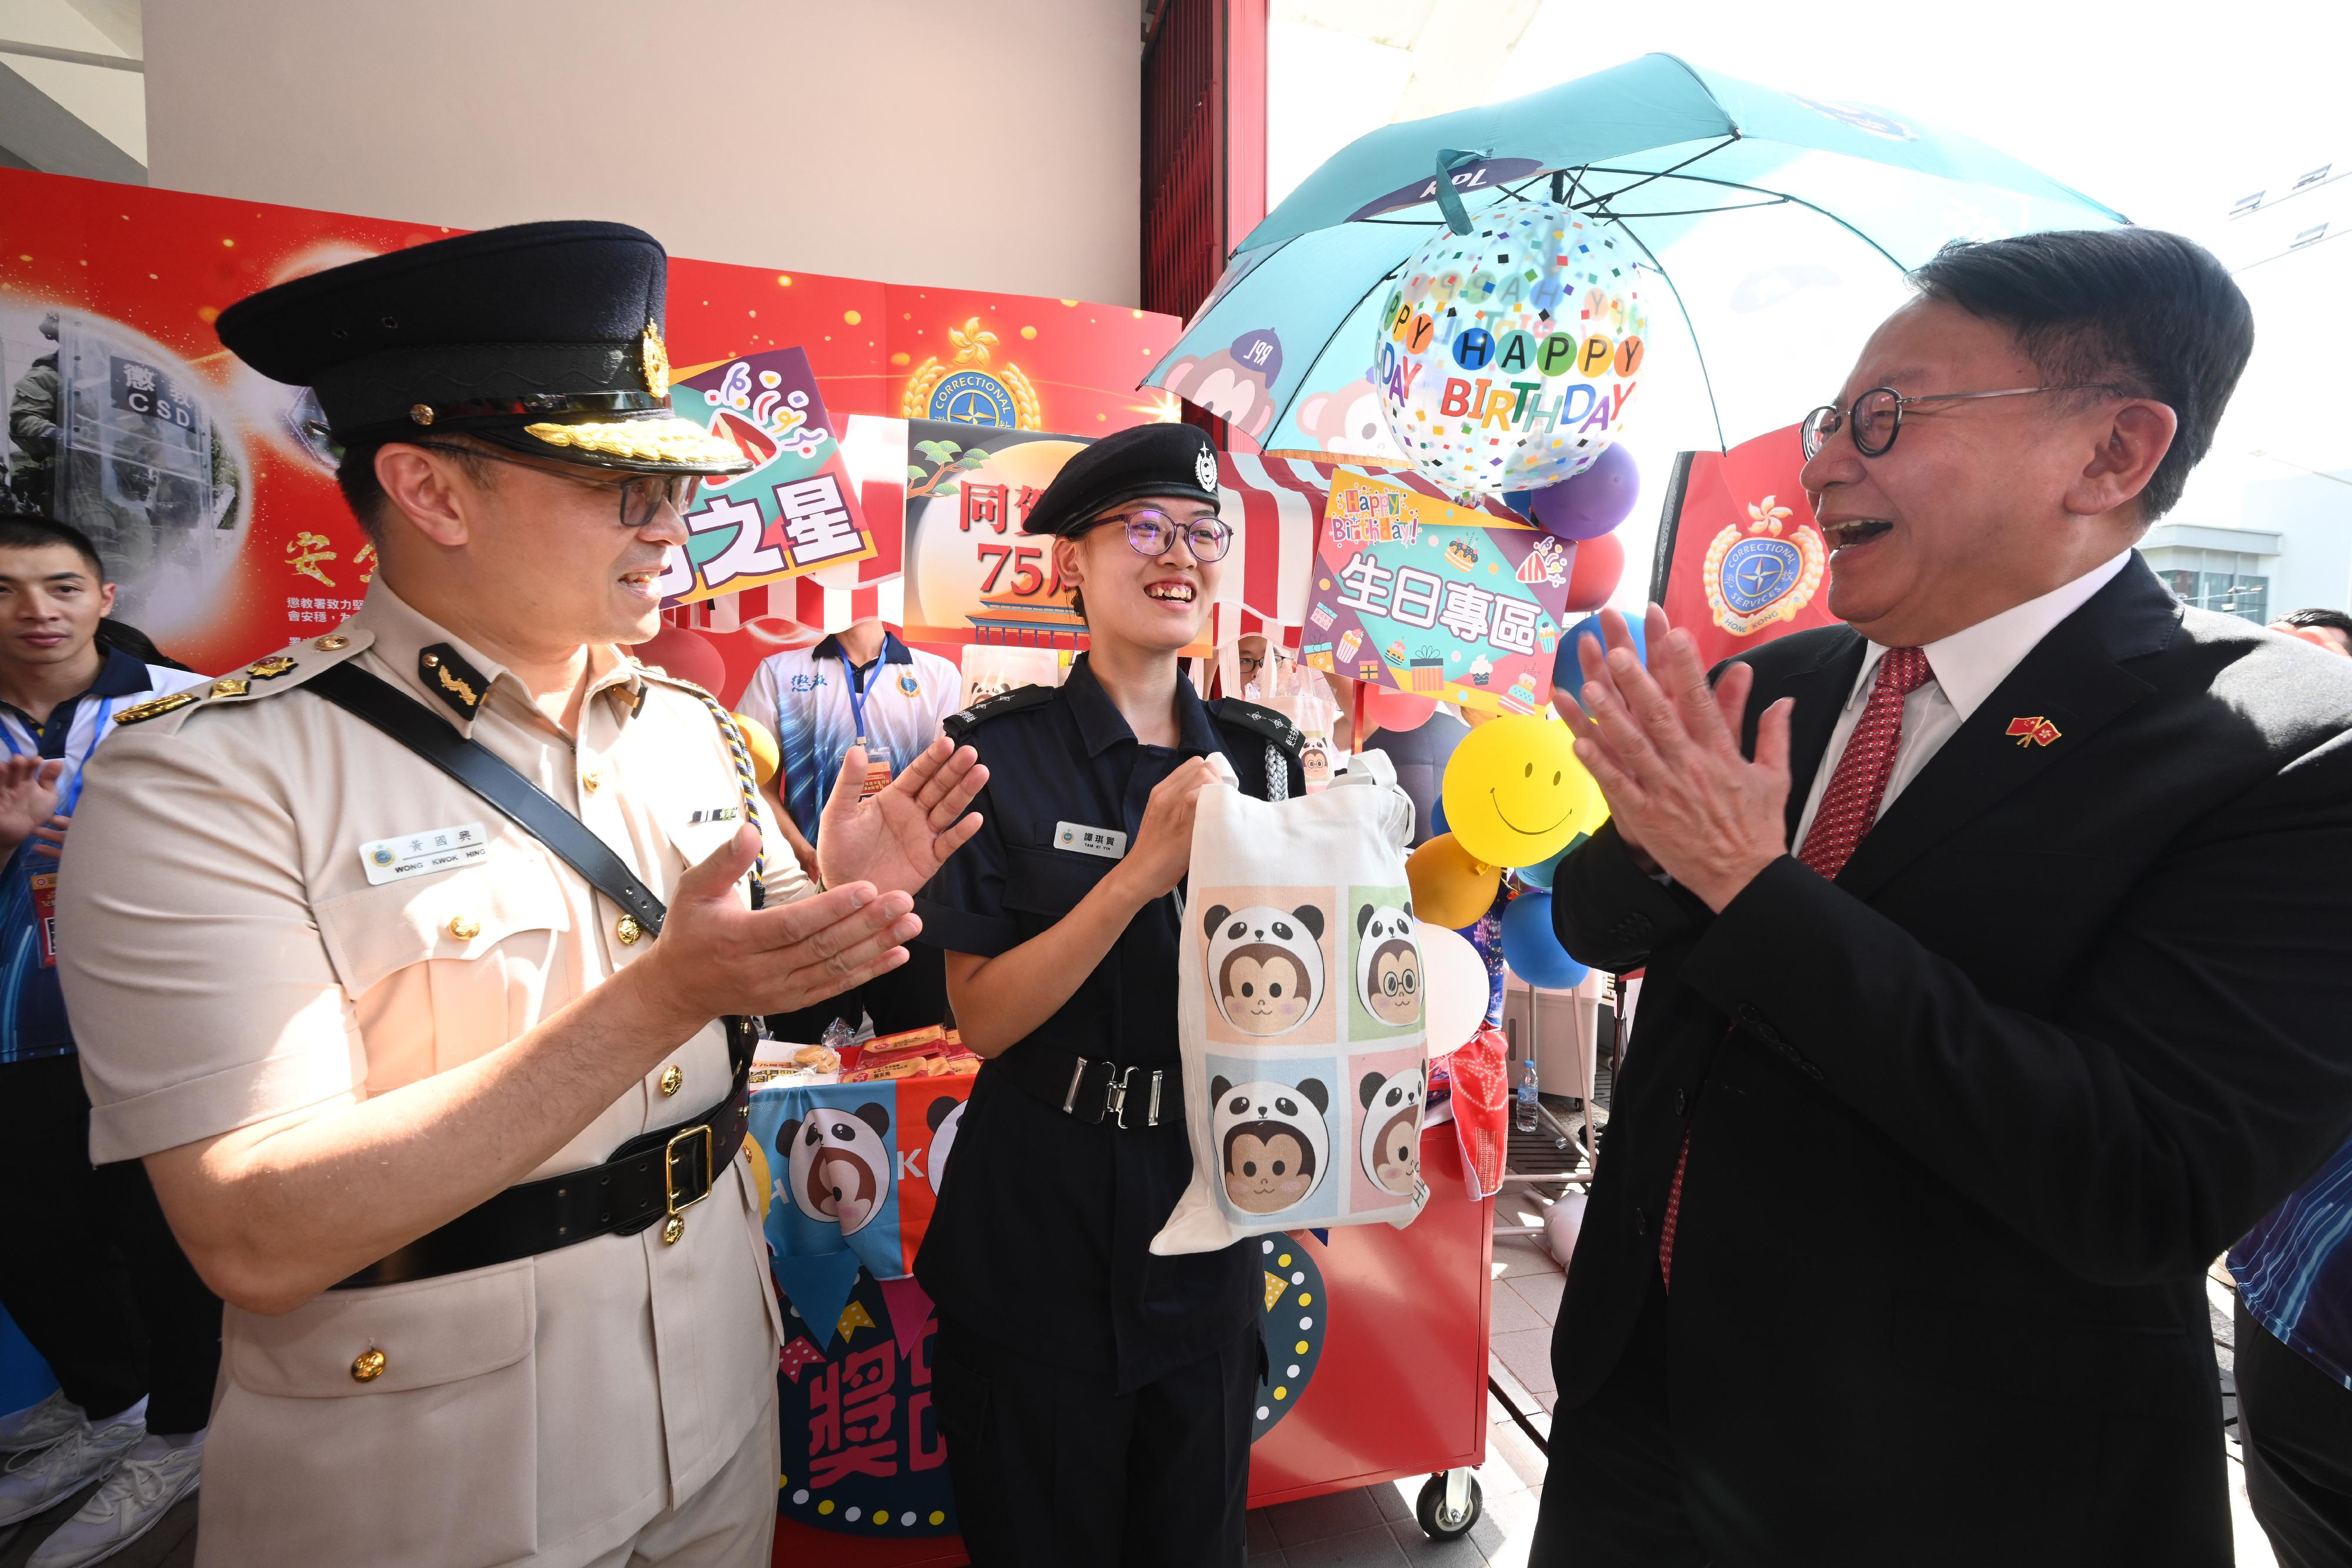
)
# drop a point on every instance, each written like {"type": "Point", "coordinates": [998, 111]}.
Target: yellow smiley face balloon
{"type": "Point", "coordinates": [1515, 793]}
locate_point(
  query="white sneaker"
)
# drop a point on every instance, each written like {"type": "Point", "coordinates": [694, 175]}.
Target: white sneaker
{"type": "Point", "coordinates": [38, 1425]}
{"type": "Point", "coordinates": [129, 1504]}
{"type": "Point", "coordinates": [32, 1482]}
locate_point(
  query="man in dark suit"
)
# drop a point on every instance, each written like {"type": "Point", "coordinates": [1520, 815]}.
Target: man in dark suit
{"type": "Point", "coordinates": [1996, 973]}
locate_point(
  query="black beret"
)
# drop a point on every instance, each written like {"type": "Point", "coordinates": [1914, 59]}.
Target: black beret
{"type": "Point", "coordinates": [545, 338]}
{"type": "Point", "coordinates": [1147, 460]}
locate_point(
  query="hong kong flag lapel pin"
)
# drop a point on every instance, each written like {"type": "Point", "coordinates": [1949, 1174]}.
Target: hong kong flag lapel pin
{"type": "Point", "coordinates": [2034, 731]}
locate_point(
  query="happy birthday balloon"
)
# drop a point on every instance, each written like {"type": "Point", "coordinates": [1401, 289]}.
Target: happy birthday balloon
{"type": "Point", "coordinates": [1515, 793]}
{"type": "Point", "coordinates": [1506, 357]}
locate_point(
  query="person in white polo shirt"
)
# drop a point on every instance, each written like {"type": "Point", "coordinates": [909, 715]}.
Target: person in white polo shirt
{"type": "Point", "coordinates": [859, 687]}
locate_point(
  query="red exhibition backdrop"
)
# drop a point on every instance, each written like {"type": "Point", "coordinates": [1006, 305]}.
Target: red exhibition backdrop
{"type": "Point", "coordinates": [219, 513]}
{"type": "Point", "coordinates": [1740, 560]}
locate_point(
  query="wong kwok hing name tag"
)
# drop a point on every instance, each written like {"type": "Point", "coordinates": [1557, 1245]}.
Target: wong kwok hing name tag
{"type": "Point", "coordinates": [422, 854]}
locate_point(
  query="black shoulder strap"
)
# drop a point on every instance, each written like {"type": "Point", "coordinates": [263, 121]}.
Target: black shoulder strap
{"type": "Point", "coordinates": [479, 769]}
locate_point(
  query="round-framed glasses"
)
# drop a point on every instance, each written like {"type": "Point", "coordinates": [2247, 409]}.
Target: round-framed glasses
{"type": "Point", "coordinates": [1876, 417]}
{"type": "Point", "coordinates": [1152, 532]}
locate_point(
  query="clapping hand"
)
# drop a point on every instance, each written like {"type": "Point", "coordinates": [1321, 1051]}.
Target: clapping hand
{"type": "Point", "coordinates": [897, 837]}
{"type": "Point", "coordinates": [1665, 746]}
{"type": "Point", "coordinates": [28, 801]}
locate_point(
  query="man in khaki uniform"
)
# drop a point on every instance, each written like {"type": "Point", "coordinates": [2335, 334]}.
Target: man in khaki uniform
{"type": "Point", "coordinates": [337, 1000]}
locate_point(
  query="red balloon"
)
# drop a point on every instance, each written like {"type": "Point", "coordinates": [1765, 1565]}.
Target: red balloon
{"type": "Point", "coordinates": [1593, 576]}
{"type": "Point", "coordinates": [1399, 711]}
{"type": "Point", "coordinates": [689, 655]}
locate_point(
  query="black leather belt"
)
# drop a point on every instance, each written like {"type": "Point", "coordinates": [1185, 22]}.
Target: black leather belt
{"type": "Point", "coordinates": [655, 1175]}
{"type": "Point", "coordinates": [1093, 1090]}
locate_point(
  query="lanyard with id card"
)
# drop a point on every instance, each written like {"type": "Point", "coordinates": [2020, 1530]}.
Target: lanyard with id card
{"type": "Point", "coordinates": [877, 758]}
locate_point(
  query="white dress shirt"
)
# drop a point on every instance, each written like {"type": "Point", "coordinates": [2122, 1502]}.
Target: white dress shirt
{"type": "Point", "coordinates": [1966, 666]}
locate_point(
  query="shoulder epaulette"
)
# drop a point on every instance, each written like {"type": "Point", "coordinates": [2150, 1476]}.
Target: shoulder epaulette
{"type": "Point", "coordinates": [280, 671]}
{"type": "Point", "coordinates": [959, 724]}
{"type": "Point", "coordinates": [1262, 722]}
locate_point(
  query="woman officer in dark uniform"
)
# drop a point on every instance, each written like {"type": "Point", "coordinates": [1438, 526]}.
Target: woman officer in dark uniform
{"type": "Point", "coordinates": [1095, 1400]}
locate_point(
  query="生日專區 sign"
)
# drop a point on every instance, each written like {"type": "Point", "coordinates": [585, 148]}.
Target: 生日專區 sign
{"type": "Point", "coordinates": [1427, 597]}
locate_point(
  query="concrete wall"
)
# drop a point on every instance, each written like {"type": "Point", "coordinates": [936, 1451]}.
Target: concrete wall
{"type": "Point", "coordinates": [991, 145]}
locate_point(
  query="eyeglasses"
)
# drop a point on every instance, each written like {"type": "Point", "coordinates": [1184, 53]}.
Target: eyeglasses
{"type": "Point", "coordinates": [642, 496]}
{"type": "Point", "coordinates": [1876, 415]}
{"type": "Point", "coordinates": [1152, 532]}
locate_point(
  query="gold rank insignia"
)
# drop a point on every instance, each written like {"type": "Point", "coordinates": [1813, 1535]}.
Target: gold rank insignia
{"type": "Point", "coordinates": [153, 707]}
{"type": "Point", "coordinates": [269, 669]}
{"type": "Point", "coordinates": [231, 687]}
{"type": "Point", "coordinates": [448, 676]}
{"type": "Point", "coordinates": [653, 356]}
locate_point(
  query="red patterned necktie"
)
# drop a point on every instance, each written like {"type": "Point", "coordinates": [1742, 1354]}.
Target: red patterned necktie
{"type": "Point", "coordinates": [1849, 808]}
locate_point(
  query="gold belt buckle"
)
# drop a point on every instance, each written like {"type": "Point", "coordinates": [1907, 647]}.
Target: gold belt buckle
{"type": "Point", "coordinates": [674, 1226]}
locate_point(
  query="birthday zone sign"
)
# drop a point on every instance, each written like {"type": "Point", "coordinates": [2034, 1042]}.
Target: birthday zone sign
{"type": "Point", "coordinates": [1414, 593]}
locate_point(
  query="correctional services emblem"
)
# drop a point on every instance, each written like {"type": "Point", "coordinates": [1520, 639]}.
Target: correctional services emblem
{"type": "Point", "coordinates": [1204, 469]}
{"type": "Point", "coordinates": [1754, 577]}
{"type": "Point", "coordinates": [909, 685]}
{"type": "Point", "coordinates": [652, 358]}
{"type": "Point", "coordinates": [968, 390]}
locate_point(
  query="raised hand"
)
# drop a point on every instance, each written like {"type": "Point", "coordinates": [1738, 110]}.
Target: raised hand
{"type": "Point", "coordinates": [716, 955]}
{"type": "Point", "coordinates": [1665, 747]}
{"type": "Point", "coordinates": [1163, 851]}
{"type": "Point", "coordinates": [897, 837]}
{"type": "Point", "coordinates": [28, 798]}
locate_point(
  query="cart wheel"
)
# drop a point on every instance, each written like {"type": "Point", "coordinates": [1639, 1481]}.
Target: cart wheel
{"type": "Point", "coordinates": [1437, 1521]}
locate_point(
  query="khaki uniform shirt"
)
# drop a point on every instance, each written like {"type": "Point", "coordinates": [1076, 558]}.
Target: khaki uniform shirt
{"type": "Point", "coordinates": [226, 959]}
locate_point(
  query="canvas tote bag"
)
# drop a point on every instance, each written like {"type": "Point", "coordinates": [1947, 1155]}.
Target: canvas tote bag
{"type": "Point", "coordinates": [1299, 1012]}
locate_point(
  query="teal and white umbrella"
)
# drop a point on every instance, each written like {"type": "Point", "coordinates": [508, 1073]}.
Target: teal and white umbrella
{"type": "Point", "coordinates": [1773, 232]}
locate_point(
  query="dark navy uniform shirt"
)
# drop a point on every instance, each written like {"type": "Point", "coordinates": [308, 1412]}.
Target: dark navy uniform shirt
{"type": "Point", "coordinates": [1041, 1237]}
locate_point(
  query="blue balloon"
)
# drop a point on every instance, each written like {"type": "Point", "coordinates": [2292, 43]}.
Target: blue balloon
{"type": "Point", "coordinates": [1568, 674]}
{"type": "Point", "coordinates": [1532, 948]}
{"type": "Point", "coordinates": [1520, 501]}
{"type": "Point", "coordinates": [1540, 874]}
{"type": "Point", "coordinates": [1437, 818]}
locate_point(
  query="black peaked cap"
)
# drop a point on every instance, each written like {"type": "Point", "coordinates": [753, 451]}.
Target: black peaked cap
{"type": "Point", "coordinates": [1147, 460]}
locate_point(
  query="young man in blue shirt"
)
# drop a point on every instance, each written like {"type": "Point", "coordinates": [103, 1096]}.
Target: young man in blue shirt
{"type": "Point", "coordinates": [92, 1273]}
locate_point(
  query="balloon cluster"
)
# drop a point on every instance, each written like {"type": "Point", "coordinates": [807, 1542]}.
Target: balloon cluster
{"type": "Point", "coordinates": [1507, 356]}
{"type": "Point", "coordinates": [1514, 798]}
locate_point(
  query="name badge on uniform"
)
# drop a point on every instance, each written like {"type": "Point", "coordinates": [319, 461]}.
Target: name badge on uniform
{"type": "Point", "coordinates": [422, 854]}
{"type": "Point", "coordinates": [1108, 842]}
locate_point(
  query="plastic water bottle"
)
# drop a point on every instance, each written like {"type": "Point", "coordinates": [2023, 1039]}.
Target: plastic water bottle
{"type": "Point", "coordinates": [1523, 1109]}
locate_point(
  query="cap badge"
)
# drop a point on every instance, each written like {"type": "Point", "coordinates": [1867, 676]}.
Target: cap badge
{"type": "Point", "coordinates": [654, 359]}
{"type": "Point", "coordinates": [1204, 467]}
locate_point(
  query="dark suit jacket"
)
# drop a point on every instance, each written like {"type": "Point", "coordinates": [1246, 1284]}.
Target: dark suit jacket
{"type": "Point", "coordinates": [1968, 1125]}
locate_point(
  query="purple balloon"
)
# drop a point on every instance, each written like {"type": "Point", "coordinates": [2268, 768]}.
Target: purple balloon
{"type": "Point", "coordinates": [1591, 502]}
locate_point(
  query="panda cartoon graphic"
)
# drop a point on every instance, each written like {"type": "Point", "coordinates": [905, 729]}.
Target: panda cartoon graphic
{"type": "Point", "coordinates": [946, 1117]}
{"type": "Point", "coordinates": [840, 1168]}
{"type": "Point", "coordinates": [1265, 965]}
{"type": "Point", "coordinates": [1273, 1143]}
{"type": "Point", "coordinates": [1388, 963]}
{"type": "Point", "coordinates": [1391, 1142]}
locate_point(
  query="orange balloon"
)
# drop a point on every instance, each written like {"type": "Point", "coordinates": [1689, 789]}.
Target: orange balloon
{"type": "Point", "coordinates": [1450, 886]}
{"type": "Point", "coordinates": [765, 757]}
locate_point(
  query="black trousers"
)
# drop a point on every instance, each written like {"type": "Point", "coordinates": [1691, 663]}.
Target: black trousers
{"type": "Point", "coordinates": [2296, 1423]}
{"type": "Point", "coordinates": [89, 1268]}
{"type": "Point", "coordinates": [1056, 1468]}
{"type": "Point", "coordinates": [1612, 1496]}
{"type": "Point", "coordinates": [912, 996]}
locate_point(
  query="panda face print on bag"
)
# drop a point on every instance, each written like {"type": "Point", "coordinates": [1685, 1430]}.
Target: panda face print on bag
{"type": "Point", "coordinates": [1390, 1142]}
{"type": "Point", "coordinates": [1272, 1141]}
{"type": "Point", "coordinates": [1265, 965]}
{"type": "Point", "coordinates": [840, 1166]}
{"type": "Point", "coordinates": [1388, 963]}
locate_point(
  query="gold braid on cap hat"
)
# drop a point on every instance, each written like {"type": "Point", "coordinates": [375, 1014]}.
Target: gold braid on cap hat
{"type": "Point", "coordinates": [670, 440]}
